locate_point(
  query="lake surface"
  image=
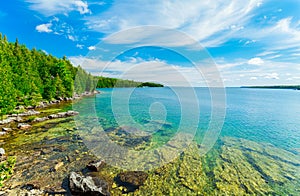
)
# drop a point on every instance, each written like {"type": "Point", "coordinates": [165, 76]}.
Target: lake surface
{"type": "Point", "coordinates": [173, 136]}
{"type": "Point", "coordinates": [261, 115]}
{"type": "Point", "coordinates": [256, 151]}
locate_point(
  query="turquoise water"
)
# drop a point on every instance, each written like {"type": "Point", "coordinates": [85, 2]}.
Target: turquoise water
{"type": "Point", "coordinates": [256, 151]}
{"type": "Point", "coordinates": [263, 115]}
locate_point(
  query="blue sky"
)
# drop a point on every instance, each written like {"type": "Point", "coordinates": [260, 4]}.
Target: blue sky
{"type": "Point", "coordinates": [255, 42]}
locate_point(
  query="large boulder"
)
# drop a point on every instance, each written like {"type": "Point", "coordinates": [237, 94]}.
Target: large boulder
{"type": "Point", "coordinates": [81, 185]}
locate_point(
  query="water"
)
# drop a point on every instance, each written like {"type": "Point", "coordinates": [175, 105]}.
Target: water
{"type": "Point", "coordinates": [257, 151]}
{"type": "Point", "coordinates": [262, 115]}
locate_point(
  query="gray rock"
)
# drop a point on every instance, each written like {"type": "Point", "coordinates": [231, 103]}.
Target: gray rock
{"type": "Point", "coordinates": [2, 133]}
{"type": "Point", "coordinates": [63, 114]}
{"type": "Point", "coordinates": [6, 121]}
{"type": "Point", "coordinates": [2, 152]}
{"type": "Point", "coordinates": [29, 113]}
{"type": "Point", "coordinates": [40, 119]}
{"type": "Point", "coordinates": [82, 185]}
{"type": "Point", "coordinates": [24, 126]}
{"type": "Point", "coordinates": [6, 129]}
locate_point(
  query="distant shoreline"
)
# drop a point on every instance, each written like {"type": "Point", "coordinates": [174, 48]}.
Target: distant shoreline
{"type": "Point", "coordinates": [293, 87]}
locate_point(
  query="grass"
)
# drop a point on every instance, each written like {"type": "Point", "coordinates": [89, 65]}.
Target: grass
{"type": "Point", "coordinates": [6, 169]}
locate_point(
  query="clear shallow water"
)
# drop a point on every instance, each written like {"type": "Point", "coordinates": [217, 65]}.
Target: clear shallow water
{"type": "Point", "coordinates": [251, 157]}
{"type": "Point", "coordinates": [262, 115]}
{"type": "Point", "coordinates": [257, 151]}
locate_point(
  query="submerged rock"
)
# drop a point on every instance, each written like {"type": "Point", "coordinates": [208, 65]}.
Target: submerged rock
{"type": "Point", "coordinates": [96, 165]}
{"type": "Point", "coordinates": [81, 185]}
{"type": "Point", "coordinates": [24, 126]}
{"type": "Point", "coordinates": [131, 179]}
{"type": "Point", "coordinates": [63, 114]}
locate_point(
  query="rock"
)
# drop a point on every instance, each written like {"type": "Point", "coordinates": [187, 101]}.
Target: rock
{"type": "Point", "coordinates": [2, 152]}
{"type": "Point", "coordinates": [2, 133]}
{"type": "Point", "coordinates": [30, 107]}
{"type": "Point", "coordinates": [6, 129]}
{"type": "Point", "coordinates": [63, 114]}
{"type": "Point", "coordinates": [40, 119]}
{"type": "Point", "coordinates": [58, 165]}
{"type": "Point", "coordinates": [52, 116]}
{"type": "Point", "coordinates": [96, 165]}
{"type": "Point", "coordinates": [6, 121]}
{"type": "Point", "coordinates": [24, 126]}
{"type": "Point", "coordinates": [18, 119]}
{"type": "Point", "coordinates": [82, 185]}
{"type": "Point", "coordinates": [29, 113]}
{"type": "Point", "coordinates": [131, 179]}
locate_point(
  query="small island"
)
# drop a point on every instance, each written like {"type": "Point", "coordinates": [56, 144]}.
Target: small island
{"type": "Point", "coordinates": [293, 87]}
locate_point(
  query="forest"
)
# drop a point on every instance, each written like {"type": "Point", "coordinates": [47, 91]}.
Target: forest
{"type": "Point", "coordinates": [28, 77]}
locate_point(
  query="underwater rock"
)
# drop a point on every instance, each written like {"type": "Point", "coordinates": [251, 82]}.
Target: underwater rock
{"type": "Point", "coordinates": [131, 179]}
{"type": "Point", "coordinates": [80, 185]}
{"type": "Point", "coordinates": [24, 126]}
{"type": "Point", "coordinates": [63, 114]}
{"type": "Point", "coordinates": [96, 165]}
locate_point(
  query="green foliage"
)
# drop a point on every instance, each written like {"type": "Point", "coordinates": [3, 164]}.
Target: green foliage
{"type": "Point", "coordinates": [150, 84]}
{"type": "Point", "coordinates": [30, 76]}
{"type": "Point", "coordinates": [104, 82]}
{"type": "Point", "coordinates": [6, 169]}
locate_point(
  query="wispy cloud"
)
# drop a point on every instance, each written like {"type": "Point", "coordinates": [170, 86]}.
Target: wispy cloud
{"type": "Point", "coordinates": [212, 22]}
{"type": "Point", "coordinates": [53, 7]}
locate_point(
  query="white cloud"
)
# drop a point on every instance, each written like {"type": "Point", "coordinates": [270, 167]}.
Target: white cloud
{"type": "Point", "coordinates": [212, 22]}
{"type": "Point", "coordinates": [44, 28]}
{"type": "Point", "coordinates": [284, 34]}
{"type": "Point", "coordinates": [253, 78]}
{"type": "Point", "coordinates": [256, 61]}
{"type": "Point", "coordinates": [53, 7]}
{"type": "Point", "coordinates": [92, 47]}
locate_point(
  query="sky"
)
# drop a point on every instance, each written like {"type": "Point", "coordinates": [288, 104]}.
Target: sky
{"type": "Point", "coordinates": [197, 43]}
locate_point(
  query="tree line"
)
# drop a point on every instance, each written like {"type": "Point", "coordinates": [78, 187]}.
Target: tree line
{"type": "Point", "coordinates": [28, 77]}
